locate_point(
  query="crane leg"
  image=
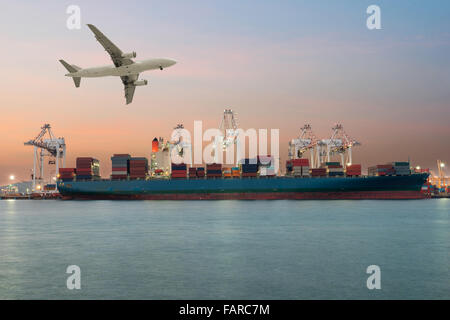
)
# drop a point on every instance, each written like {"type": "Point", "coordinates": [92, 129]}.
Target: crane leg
{"type": "Point", "coordinates": [350, 160]}
{"type": "Point", "coordinates": [34, 169]}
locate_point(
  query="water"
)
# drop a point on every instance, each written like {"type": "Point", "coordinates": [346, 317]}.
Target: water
{"type": "Point", "coordinates": [224, 249]}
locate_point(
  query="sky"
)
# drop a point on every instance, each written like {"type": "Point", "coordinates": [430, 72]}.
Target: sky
{"type": "Point", "coordinates": [278, 64]}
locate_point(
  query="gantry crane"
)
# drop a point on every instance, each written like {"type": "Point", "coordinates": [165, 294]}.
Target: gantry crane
{"type": "Point", "coordinates": [339, 143]}
{"type": "Point", "coordinates": [46, 145]}
{"type": "Point", "coordinates": [305, 141]}
{"type": "Point", "coordinates": [441, 177]}
{"type": "Point", "coordinates": [229, 135]}
{"type": "Point", "coordinates": [181, 147]}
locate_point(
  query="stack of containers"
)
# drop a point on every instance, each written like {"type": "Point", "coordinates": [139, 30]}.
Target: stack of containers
{"type": "Point", "coordinates": [120, 166]}
{"type": "Point", "coordinates": [319, 172]}
{"type": "Point", "coordinates": [226, 173]}
{"type": "Point", "coordinates": [214, 170]}
{"type": "Point", "coordinates": [138, 168]}
{"type": "Point", "coordinates": [179, 171]}
{"type": "Point", "coordinates": [426, 188]}
{"type": "Point", "coordinates": [235, 172]}
{"type": "Point", "coordinates": [50, 187]}
{"type": "Point", "coordinates": [192, 173]}
{"type": "Point", "coordinates": [200, 172]}
{"type": "Point", "coordinates": [249, 168]}
{"type": "Point", "coordinates": [289, 167]}
{"type": "Point", "coordinates": [381, 170]}
{"type": "Point", "coordinates": [434, 190]}
{"type": "Point", "coordinates": [266, 166]}
{"type": "Point", "coordinates": [353, 170]}
{"type": "Point", "coordinates": [401, 168]}
{"type": "Point", "coordinates": [67, 174]}
{"type": "Point", "coordinates": [334, 169]}
{"type": "Point", "coordinates": [88, 168]}
{"type": "Point", "coordinates": [300, 167]}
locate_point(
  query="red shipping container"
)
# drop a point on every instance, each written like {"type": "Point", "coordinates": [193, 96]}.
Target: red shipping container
{"type": "Point", "coordinates": [214, 166]}
{"type": "Point", "coordinates": [300, 162]}
{"type": "Point", "coordinates": [318, 172]}
{"type": "Point", "coordinates": [82, 172]}
{"type": "Point", "coordinates": [249, 174]}
{"type": "Point", "coordinates": [119, 177]}
{"type": "Point", "coordinates": [384, 166]}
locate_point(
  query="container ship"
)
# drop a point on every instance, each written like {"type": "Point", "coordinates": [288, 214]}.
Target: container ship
{"type": "Point", "coordinates": [253, 179]}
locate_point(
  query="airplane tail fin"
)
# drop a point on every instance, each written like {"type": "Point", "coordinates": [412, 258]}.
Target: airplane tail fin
{"type": "Point", "coordinates": [72, 68]}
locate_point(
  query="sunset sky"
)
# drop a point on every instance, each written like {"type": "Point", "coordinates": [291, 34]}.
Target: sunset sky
{"type": "Point", "coordinates": [278, 64]}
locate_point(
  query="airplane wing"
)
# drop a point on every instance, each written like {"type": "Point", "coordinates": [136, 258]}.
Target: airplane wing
{"type": "Point", "coordinates": [129, 86]}
{"type": "Point", "coordinates": [111, 48]}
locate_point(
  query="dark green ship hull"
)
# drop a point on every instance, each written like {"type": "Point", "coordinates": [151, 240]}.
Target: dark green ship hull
{"type": "Point", "coordinates": [383, 187]}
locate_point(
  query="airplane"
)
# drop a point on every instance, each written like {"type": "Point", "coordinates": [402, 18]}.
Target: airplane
{"type": "Point", "coordinates": [124, 67]}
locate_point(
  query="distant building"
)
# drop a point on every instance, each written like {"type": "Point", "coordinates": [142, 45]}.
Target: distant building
{"type": "Point", "coordinates": [20, 187]}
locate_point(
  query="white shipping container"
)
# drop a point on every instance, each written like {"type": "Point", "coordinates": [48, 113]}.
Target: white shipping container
{"type": "Point", "coordinates": [267, 171]}
{"type": "Point", "coordinates": [119, 173]}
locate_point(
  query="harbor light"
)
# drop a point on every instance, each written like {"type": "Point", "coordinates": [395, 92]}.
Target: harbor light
{"type": "Point", "coordinates": [12, 177]}
{"type": "Point", "coordinates": [418, 168]}
{"type": "Point", "coordinates": [442, 164]}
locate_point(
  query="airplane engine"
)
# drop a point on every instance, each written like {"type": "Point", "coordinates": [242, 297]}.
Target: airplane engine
{"type": "Point", "coordinates": [129, 55]}
{"type": "Point", "coordinates": [140, 83]}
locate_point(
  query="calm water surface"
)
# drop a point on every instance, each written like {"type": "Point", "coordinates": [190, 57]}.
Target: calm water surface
{"type": "Point", "coordinates": [224, 249]}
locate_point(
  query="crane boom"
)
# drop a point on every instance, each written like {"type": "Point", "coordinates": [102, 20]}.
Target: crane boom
{"type": "Point", "coordinates": [55, 147]}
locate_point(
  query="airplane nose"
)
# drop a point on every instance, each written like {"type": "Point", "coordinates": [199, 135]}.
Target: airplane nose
{"type": "Point", "coordinates": [172, 62]}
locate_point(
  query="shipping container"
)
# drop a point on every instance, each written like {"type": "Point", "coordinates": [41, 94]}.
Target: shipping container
{"type": "Point", "coordinates": [248, 161]}
{"type": "Point", "coordinates": [300, 162]}
{"type": "Point", "coordinates": [88, 166]}
{"type": "Point", "coordinates": [318, 172]}
{"type": "Point", "coordinates": [66, 173]}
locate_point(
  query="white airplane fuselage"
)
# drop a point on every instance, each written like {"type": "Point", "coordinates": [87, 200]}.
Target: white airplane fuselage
{"type": "Point", "coordinates": [125, 70]}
